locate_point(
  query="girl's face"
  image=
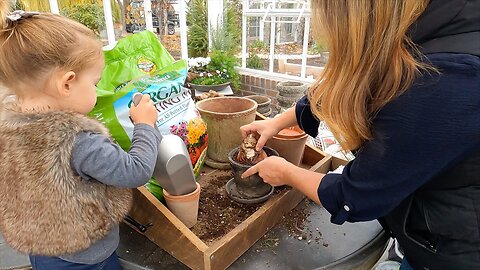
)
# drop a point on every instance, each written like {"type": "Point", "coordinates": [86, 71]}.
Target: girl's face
{"type": "Point", "coordinates": [83, 89]}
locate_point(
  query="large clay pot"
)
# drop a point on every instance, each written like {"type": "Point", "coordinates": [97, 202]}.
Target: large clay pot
{"type": "Point", "coordinates": [224, 116]}
{"type": "Point", "coordinates": [252, 186]}
{"type": "Point", "coordinates": [290, 144]}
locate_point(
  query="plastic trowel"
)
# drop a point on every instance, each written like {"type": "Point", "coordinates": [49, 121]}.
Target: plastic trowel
{"type": "Point", "coordinates": [173, 170]}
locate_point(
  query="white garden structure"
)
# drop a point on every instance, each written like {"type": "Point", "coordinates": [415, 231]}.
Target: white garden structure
{"type": "Point", "coordinates": [271, 13]}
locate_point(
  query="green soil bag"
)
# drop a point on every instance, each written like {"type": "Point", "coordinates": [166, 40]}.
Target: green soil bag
{"type": "Point", "coordinates": [140, 63]}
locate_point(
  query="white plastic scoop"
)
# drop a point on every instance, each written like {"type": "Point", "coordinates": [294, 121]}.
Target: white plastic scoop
{"type": "Point", "coordinates": [173, 170]}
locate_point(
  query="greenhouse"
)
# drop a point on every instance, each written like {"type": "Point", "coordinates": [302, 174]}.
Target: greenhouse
{"type": "Point", "coordinates": [239, 134]}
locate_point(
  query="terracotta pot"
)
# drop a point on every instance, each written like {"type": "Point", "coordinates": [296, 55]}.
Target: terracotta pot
{"type": "Point", "coordinates": [263, 103]}
{"type": "Point", "coordinates": [224, 116]}
{"type": "Point", "coordinates": [290, 144]}
{"type": "Point", "coordinates": [184, 207]}
{"type": "Point", "coordinates": [252, 186]}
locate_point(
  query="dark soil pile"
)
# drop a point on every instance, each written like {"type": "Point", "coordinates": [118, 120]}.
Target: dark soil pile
{"type": "Point", "coordinates": [217, 213]}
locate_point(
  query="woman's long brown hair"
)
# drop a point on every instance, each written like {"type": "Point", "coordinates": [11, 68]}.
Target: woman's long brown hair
{"type": "Point", "coordinates": [371, 61]}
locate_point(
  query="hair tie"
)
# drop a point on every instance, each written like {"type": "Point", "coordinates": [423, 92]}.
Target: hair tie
{"type": "Point", "coordinates": [18, 15]}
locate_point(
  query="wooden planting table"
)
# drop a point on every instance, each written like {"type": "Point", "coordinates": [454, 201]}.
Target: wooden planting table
{"type": "Point", "coordinates": [174, 237]}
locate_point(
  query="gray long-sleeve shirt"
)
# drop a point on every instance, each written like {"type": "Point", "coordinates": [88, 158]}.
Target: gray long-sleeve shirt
{"type": "Point", "coordinates": [96, 158]}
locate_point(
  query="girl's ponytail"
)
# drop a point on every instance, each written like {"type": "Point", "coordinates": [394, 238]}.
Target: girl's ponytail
{"type": "Point", "coordinates": [33, 44]}
{"type": "Point", "coordinates": [4, 10]}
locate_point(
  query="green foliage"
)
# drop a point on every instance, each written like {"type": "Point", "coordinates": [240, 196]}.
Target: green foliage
{"type": "Point", "coordinates": [212, 79]}
{"type": "Point", "coordinates": [226, 37]}
{"type": "Point", "coordinates": [232, 21]}
{"type": "Point", "coordinates": [35, 5]}
{"type": "Point", "coordinates": [220, 61]}
{"type": "Point", "coordinates": [220, 69]}
{"type": "Point", "coordinates": [91, 15]}
{"type": "Point", "coordinates": [198, 28]}
{"type": "Point", "coordinates": [255, 62]}
{"type": "Point", "coordinates": [318, 47]}
{"type": "Point", "coordinates": [258, 46]}
{"type": "Point", "coordinates": [222, 40]}
{"type": "Point", "coordinates": [18, 5]}
{"type": "Point", "coordinates": [116, 12]}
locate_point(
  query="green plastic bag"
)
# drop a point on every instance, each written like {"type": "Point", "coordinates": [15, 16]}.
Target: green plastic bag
{"type": "Point", "coordinates": [140, 63]}
{"type": "Point", "coordinates": [134, 56]}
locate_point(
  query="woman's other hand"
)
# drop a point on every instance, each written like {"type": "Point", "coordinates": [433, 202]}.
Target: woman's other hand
{"type": "Point", "coordinates": [273, 170]}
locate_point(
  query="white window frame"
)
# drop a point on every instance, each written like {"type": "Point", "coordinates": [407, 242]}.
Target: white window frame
{"type": "Point", "coordinates": [107, 9]}
{"type": "Point", "coordinates": [272, 9]}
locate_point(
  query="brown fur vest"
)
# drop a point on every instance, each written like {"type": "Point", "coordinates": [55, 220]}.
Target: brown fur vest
{"type": "Point", "coordinates": [46, 208]}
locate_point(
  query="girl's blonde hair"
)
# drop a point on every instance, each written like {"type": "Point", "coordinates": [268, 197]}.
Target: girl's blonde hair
{"type": "Point", "coordinates": [371, 61]}
{"type": "Point", "coordinates": [31, 47]}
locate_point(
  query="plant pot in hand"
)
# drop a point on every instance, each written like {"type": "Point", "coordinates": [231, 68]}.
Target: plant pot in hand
{"type": "Point", "coordinates": [252, 186]}
{"type": "Point", "coordinates": [290, 144]}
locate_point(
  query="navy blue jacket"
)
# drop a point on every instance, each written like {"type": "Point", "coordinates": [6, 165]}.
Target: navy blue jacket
{"type": "Point", "coordinates": [416, 137]}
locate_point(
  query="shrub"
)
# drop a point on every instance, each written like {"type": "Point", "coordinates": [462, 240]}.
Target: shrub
{"type": "Point", "coordinates": [116, 12]}
{"type": "Point", "coordinates": [258, 46]}
{"type": "Point", "coordinates": [221, 60]}
{"type": "Point", "coordinates": [255, 62]}
{"type": "Point", "coordinates": [222, 40]}
{"type": "Point", "coordinates": [217, 69]}
{"type": "Point", "coordinates": [91, 15]}
{"type": "Point", "coordinates": [18, 5]}
{"type": "Point", "coordinates": [198, 28]}
{"type": "Point", "coordinates": [232, 22]}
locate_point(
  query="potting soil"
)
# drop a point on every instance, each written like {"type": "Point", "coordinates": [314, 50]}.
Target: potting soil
{"type": "Point", "coordinates": [217, 213]}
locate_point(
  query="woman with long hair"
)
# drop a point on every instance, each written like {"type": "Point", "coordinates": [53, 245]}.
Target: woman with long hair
{"type": "Point", "coordinates": [402, 90]}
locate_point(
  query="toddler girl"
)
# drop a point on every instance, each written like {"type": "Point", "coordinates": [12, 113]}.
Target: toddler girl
{"type": "Point", "coordinates": [64, 185]}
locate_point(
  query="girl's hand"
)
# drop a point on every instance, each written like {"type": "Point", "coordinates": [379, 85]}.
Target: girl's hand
{"type": "Point", "coordinates": [263, 129]}
{"type": "Point", "coordinates": [273, 170]}
{"type": "Point", "coordinates": [144, 112]}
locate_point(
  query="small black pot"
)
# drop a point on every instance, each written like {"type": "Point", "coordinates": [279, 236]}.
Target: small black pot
{"type": "Point", "coordinates": [252, 186]}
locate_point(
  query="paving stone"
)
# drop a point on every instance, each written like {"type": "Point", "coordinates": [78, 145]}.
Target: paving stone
{"type": "Point", "coordinates": [10, 259]}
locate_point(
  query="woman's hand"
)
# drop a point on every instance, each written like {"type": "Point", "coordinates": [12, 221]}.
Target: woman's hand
{"type": "Point", "coordinates": [276, 171]}
{"type": "Point", "coordinates": [266, 129]}
{"type": "Point", "coordinates": [144, 112]}
{"type": "Point", "coordinates": [263, 130]}
{"type": "Point", "coordinates": [273, 170]}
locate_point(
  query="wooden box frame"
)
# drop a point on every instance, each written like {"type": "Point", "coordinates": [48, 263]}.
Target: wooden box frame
{"type": "Point", "coordinates": [169, 233]}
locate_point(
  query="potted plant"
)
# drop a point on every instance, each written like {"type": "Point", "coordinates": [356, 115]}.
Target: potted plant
{"type": "Point", "coordinates": [215, 72]}
{"type": "Point", "coordinates": [251, 189]}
